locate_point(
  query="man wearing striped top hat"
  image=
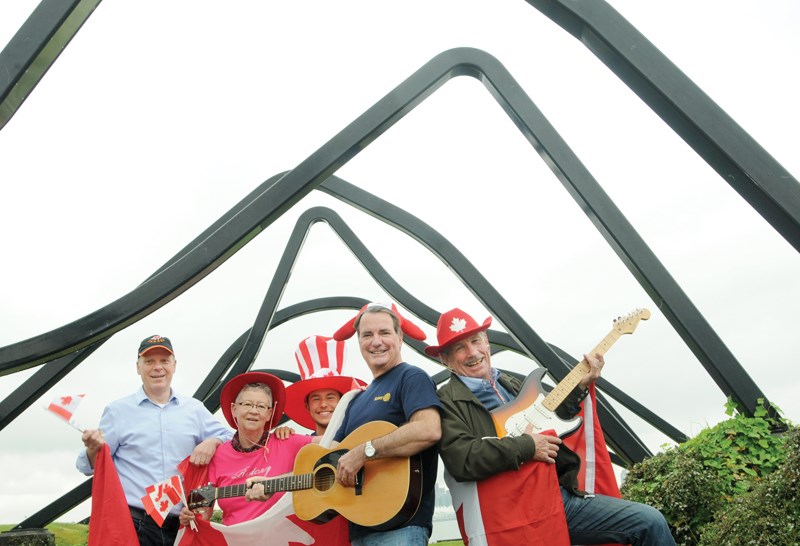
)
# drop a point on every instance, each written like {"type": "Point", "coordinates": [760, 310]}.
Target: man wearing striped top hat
{"type": "Point", "coordinates": [311, 401]}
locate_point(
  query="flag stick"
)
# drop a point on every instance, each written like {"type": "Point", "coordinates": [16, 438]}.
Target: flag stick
{"type": "Point", "coordinates": [75, 426]}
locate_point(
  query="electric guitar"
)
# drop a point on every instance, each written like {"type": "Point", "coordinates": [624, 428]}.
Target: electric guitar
{"type": "Point", "coordinates": [386, 495]}
{"type": "Point", "coordinates": [533, 407]}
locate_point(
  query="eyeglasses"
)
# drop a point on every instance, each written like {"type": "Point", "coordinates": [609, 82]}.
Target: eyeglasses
{"type": "Point", "coordinates": [248, 406]}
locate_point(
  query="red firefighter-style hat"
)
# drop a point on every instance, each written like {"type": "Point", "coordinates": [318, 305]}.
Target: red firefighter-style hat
{"type": "Point", "coordinates": [453, 326]}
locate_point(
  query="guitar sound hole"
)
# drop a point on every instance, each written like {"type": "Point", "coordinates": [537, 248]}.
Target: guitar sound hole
{"type": "Point", "coordinates": [324, 479]}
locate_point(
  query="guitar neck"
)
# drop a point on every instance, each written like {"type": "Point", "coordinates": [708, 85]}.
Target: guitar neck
{"type": "Point", "coordinates": [274, 485]}
{"type": "Point", "coordinates": [568, 384]}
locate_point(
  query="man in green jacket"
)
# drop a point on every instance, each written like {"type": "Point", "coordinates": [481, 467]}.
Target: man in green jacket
{"type": "Point", "coordinates": [472, 451]}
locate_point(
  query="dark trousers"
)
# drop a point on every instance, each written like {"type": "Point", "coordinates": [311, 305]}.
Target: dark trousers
{"type": "Point", "coordinates": [150, 534]}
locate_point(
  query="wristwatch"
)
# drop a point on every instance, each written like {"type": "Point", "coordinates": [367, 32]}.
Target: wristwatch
{"type": "Point", "coordinates": [369, 450]}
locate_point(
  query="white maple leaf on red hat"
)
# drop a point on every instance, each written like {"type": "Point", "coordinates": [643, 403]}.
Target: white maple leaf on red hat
{"type": "Point", "coordinates": [458, 324]}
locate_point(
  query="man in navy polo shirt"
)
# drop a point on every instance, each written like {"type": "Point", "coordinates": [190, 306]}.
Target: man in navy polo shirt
{"type": "Point", "coordinates": [403, 395]}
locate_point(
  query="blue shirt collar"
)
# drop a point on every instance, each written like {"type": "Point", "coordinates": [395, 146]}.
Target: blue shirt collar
{"type": "Point", "coordinates": [485, 392]}
{"type": "Point", "coordinates": [141, 396]}
{"type": "Point", "coordinates": [477, 384]}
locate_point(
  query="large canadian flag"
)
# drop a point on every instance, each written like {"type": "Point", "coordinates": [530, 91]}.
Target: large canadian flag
{"type": "Point", "coordinates": [589, 442]}
{"type": "Point", "coordinates": [279, 523]}
{"type": "Point", "coordinates": [278, 526]}
{"type": "Point", "coordinates": [524, 506]}
{"type": "Point", "coordinates": [110, 521]}
{"type": "Point", "coordinates": [597, 474]}
{"type": "Point", "coordinates": [511, 508]}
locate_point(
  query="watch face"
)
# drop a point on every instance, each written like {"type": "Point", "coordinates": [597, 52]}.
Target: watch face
{"type": "Point", "coordinates": [369, 451]}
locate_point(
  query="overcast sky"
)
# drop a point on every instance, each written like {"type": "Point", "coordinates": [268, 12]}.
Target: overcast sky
{"type": "Point", "coordinates": [160, 116]}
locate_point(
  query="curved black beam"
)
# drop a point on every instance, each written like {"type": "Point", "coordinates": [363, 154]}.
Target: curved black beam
{"type": "Point", "coordinates": [58, 508]}
{"type": "Point", "coordinates": [285, 192]}
{"type": "Point", "coordinates": [642, 411]}
{"type": "Point", "coordinates": [52, 372]}
{"type": "Point", "coordinates": [231, 232]}
{"type": "Point", "coordinates": [35, 47]}
{"type": "Point", "coordinates": [714, 135]}
{"type": "Point", "coordinates": [39, 383]}
{"type": "Point", "coordinates": [264, 320]}
{"type": "Point", "coordinates": [520, 113]}
{"type": "Point", "coordinates": [262, 208]}
{"type": "Point", "coordinates": [486, 293]}
{"type": "Point", "coordinates": [621, 236]}
{"type": "Point", "coordinates": [630, 447]}
{"type": "Point", "coordinates": [551, 362]}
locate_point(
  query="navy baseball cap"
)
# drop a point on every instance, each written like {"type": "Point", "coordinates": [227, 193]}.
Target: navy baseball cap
{"type": "Point", "coordinates": [153, 342]}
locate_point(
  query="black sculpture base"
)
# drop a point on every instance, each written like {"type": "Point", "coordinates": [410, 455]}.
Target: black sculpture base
{"type": "Point", "coordinates": [28, 537]}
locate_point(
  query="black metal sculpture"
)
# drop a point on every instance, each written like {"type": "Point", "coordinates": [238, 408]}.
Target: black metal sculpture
{"type": "Point", "coordinates": [750, 170]}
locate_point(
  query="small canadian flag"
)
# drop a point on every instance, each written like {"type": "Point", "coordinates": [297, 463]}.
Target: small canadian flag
{"type": "Point", "coordinates": [64, 406]}
{"type": "Point", "coordinates": [161, 497]}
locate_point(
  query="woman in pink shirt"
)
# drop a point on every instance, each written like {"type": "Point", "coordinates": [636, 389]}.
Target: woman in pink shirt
{"type": "Point", "coordinates": [252, 403]}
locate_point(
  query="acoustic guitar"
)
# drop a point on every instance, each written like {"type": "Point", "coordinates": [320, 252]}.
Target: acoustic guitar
{"type": "Point", "coordinates": [533, 407]}
{"type": "Point", "coordinates": [386, 495]}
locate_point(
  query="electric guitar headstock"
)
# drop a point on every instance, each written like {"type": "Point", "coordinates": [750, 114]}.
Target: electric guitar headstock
{"type": "Point", "coordinates": [628, 323]}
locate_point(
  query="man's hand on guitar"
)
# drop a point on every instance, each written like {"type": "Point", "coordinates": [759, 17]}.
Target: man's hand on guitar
{"type": "Point", "coordinates": [596, 363]}
{"type": "Point", "coordinates": [255, 489]}
{"type": "Point", "coordinates": [349, 465]}
{"type": "Point", "coordinates": [546, 446]}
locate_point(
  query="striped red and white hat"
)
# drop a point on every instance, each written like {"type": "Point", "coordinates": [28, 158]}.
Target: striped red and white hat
{"type": "Point", "coordinates": [320, 360]}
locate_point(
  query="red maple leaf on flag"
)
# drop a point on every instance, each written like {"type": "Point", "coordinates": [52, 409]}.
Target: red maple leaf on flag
{"type": "Point", "coordinates": [161, 497]}
{"type": "Point", "coordinates": [65, 406]}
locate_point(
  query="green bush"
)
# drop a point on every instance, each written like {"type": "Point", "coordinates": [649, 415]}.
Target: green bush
{"type": "Point", "coordinates": [742, 449]}
{"type": "Point", "coordinates": [767, 515]}
{"type": "Point", "coordinates": [216, 517]}
{"type": "Point", "coordinates": [696, 482]}
{"type": "Point", "coordinates": [677, 483]}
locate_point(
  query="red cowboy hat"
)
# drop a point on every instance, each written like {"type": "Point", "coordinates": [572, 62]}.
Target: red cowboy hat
{"type": "Point", "coordinates": [409, 328]}
{"type": "Point", "coordinates": [320, 360]}
{"type": "Point", "coordinates": [232, 388]}
{"type": "Point", "coordinates": [453, 326]}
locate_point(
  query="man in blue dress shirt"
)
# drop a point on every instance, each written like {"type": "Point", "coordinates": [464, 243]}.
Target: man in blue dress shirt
{"type": "Point", "coordinates": [149, 433]}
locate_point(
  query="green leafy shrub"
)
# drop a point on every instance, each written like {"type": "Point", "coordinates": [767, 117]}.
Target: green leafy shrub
{"type": "Point", "coordinates": [695, 482]}
{"type": "Point", "coordinates": [677, 483]}
{"type": "Point", "coordinates": [769, 514]}
{"type": "Point", "coordinates": [742, 449]}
